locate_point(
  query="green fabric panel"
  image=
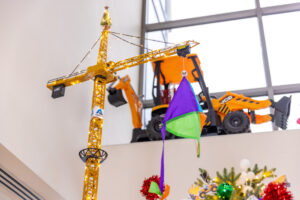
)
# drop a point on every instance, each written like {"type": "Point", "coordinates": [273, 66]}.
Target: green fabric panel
{"type": "Point", "coordinates": [187, 125]}
{"type": "Point", "coordinates": [154, 188]}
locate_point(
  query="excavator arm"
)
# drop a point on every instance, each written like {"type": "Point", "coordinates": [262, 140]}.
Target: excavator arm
{"type": "Point", "coordinates": [116, 98]}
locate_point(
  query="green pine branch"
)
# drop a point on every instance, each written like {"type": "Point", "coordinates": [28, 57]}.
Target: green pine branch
{"type": "Point", "coordinates": [204, 178]}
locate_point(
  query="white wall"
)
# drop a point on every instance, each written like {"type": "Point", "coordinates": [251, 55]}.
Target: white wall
{"type": "Point", "coordinates": [123, 173]}
{"type": "Point", "coordinates": [15, 168]}
{"type": "Point", "coordinates": [44, 39]}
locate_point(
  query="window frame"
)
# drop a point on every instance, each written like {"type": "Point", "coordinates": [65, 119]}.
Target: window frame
{"type": "Point", "coordinates": [258, 12]}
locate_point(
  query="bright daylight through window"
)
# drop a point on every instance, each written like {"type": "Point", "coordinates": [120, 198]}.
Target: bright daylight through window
{"type": "Point", "coordinates": [250, 47]}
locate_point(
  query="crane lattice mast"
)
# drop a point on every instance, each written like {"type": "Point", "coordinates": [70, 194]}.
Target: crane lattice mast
{"type": "Point", "coordinates": [102, 73]}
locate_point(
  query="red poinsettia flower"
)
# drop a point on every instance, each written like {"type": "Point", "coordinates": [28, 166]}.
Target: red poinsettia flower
{"type": "Point", "coordinates": [145, 188]}
{"type": "Point", "coordinates": [276, 191]}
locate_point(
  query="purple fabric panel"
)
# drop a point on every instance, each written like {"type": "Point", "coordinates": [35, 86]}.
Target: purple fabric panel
{"type": "Point", "coordinates": [162, 164]}
{"type": "Point", "coordinates": [162, 169]}
{"type": "Point", "coordinates": [183, 102]}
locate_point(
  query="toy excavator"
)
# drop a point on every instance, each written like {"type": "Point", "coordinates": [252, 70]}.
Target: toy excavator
{"type": "Point", "coordinates": [115, 97]}
{"type": "Point", "coordinates": [232, 113]}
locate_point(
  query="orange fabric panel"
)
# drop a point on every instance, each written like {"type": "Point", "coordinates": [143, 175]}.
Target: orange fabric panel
{"type": "Point", "coordinates": [166, 192]}
{"type": "Point", "coordinates": [172, 67]}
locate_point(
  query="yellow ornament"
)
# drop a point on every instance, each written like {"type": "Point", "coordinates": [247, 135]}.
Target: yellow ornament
{"type": "Point", "coordinates": [217, 180]}
{"type": "Point", "coordinates": [267, 174]}
{"type": "Point", "coordinates": [194, 190]}
{"type": "Point", "coordinates": [281, 179]}
{"type": "Point", "coordinates": [106, 20]}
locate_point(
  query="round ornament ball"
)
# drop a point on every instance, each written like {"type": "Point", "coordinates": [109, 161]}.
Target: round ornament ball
{"type": "Point", "coordinates": [250, 175]}
{"type": "Point", "coordinates": [245, 164]}
{"type": "Point", "coordinates": [224, 191]}
{"type": "Point", "coordinates": [244, 175]}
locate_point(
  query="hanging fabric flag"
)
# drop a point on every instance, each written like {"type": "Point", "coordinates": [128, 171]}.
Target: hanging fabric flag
{"type": "Point", "coordinates": [184, 118]}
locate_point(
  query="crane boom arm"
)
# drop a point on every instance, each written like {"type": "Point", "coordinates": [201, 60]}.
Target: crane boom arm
{"type": "Point", "coordinates": [150, 56]}
{"type": "Point", "coordinates": [107, 70]}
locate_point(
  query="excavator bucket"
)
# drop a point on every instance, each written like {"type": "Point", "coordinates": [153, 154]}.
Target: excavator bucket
{"type": "Point", "coordinates": [115, 97]}
{"type": "Point", "coordinates": [282, 112]}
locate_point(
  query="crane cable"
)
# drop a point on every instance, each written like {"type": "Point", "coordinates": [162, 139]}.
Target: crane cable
{"type": "Point", "coordinates": [123, 34]}
{"type": "Point", "coordinates": [119, 37]}
{"type": "Point", "coordinates": [86, 55]}
{"type": "Point", "coordinates": [138, 45]}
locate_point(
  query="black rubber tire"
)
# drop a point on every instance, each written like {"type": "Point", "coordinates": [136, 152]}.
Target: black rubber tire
{"type": "Point", "coordinates": [153, 129]}
{"type": "Point", "coordinates": [236, 122]}
{"type": "Point", "coordinates": [139, 135]}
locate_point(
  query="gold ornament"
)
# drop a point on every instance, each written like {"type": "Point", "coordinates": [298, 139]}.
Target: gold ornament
{"type": "Point", "coordinates": [106, 20]}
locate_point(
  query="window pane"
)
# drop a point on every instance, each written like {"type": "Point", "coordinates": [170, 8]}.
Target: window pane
{"type": "Point", "coordinates": [146, 113]}
{"type": "Point", "coordinates": [156, 11]}
{"type": "Point", "coordinates": [265, 127]}
{"type": "Point", "coordinates": [283, 45]}
{"type": "Point", "coordinates": [229, 52]}
{"type": "Point", "coordinates": [260, 128]}
{"type": "Point", "coordinates": [265, 3]}
{"type": "Point", "coordinates": [295, 110]}
{"type": "Point", "coordinates": [151, 15]}
{"type": "Point", "coordinates": [148, 70]}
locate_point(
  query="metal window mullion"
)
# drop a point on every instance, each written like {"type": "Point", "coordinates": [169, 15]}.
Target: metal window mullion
{"type": "Point", "coordinates": [142, 50]}
{"type": "Point", "coordinates": [200, 20]}
{"type": "Point", "coordinates": [279, 9]}
{"type": "Point", "coordinates": [222, 17]}
{"type": "Point", "coordinates": [265, 56]}
{"type": "Point", "coordinates": [264, 50]}
{"type": "Point", "coordinates": [142, 77]}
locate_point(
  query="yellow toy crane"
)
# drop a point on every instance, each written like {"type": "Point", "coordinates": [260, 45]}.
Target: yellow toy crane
{"type": "Point", "coordinates": [102, 73]}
